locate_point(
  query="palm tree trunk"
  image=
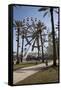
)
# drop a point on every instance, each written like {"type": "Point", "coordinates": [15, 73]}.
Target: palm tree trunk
{"type": "Point", "coordinates": [58, 36]}
{"type": "Point", "coordinates": [42, 49]}
{"type": "Point", "coordinates": [38, 45]}
{"type": "Point", "coordinates": [38, 48]}
{"type": "Point", "coordinates": [18, 48]}
{"type": "Point", "coordinates": [22, 49]}
{"type": "Point", "coordinates": [53, 36]}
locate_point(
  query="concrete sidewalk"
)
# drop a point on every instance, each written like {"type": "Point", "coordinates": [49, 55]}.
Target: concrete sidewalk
{"type": "Point", "coordinates": [23, 73]}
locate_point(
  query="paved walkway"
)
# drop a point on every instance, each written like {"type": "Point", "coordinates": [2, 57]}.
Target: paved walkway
{"type": "Point", "coordinates": [23, 73]}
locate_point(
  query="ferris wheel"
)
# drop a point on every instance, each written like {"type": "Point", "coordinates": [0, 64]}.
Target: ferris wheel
{"type": "Point", "coordinates": [32, 31]}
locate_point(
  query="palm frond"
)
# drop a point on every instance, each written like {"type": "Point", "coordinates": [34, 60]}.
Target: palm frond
{"type": "Point", "coordinates": [17, 6]}
{"type": "Point", "coordinates": [18, 23]}
{"type": "Point", "coordinates": [45, 14]}
{"type": "Point", "coordinates": [43, 9]}
{"type": "Point", "coordinates": [56, 11]}
{"type": "Point", "coordinates": [44, 27]}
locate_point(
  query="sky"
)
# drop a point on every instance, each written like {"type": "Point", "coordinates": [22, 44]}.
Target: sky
{"type": "Point", "coordinates": [22, 12]}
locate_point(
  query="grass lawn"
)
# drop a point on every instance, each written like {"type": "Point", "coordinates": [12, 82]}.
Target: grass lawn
{"type": "Point", "coordinates": [21, 65]}
{"type": "Point", "coordinates": [43, 76]}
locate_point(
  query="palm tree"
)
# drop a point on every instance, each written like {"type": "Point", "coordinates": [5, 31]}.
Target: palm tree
{"type": "Point", "coordinates": [17, 23]}
{"type": "Point", "coordinates": [51, 9]}
{"type": "Point", "coordinates": [41, 27]}
{"type": "Point", "coordinates": [57, 27]}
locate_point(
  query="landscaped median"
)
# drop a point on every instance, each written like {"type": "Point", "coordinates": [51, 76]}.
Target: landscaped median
{"type": "Point", "coordinates": [46, 75]}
